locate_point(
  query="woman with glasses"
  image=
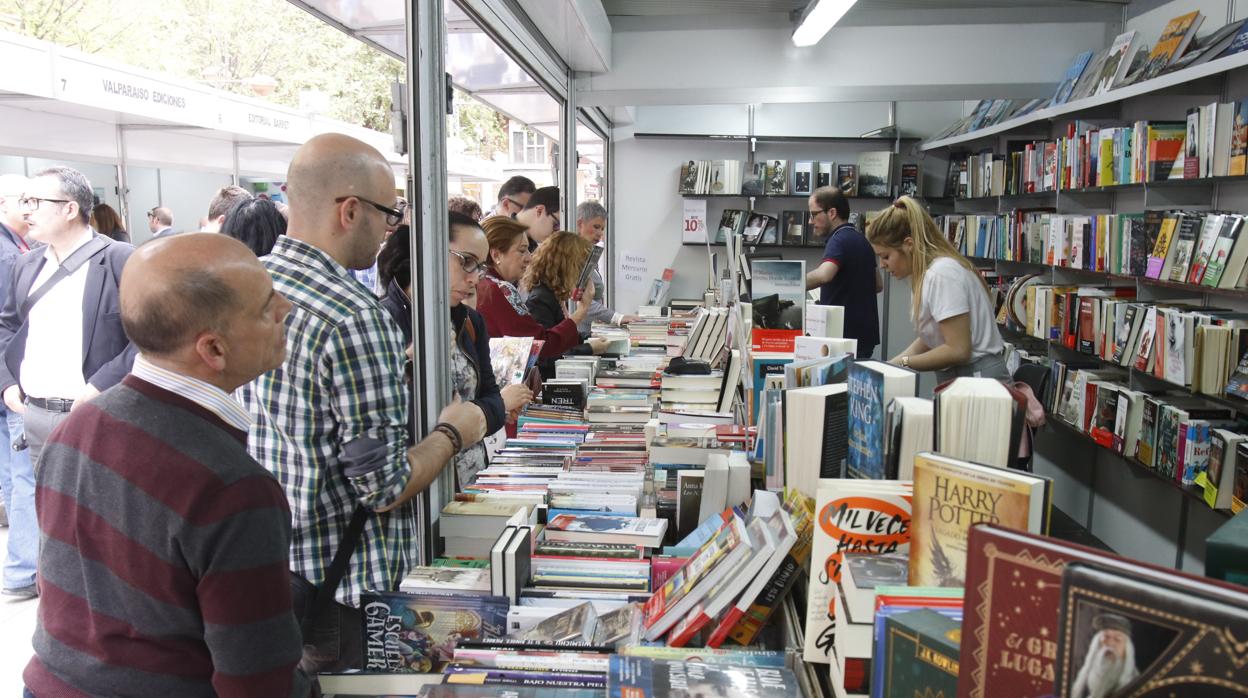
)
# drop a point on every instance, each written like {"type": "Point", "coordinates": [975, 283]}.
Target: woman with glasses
{"type": "Point", "coordinates": [551, 281]}
{"type": "Point", "coordinates": [473, 377]}
{"type": "Point", "coordinates": [500, 302]}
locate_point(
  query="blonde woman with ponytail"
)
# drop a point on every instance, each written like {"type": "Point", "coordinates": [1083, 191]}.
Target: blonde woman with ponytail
{"type": "Point", "coordinates": [952, 311]}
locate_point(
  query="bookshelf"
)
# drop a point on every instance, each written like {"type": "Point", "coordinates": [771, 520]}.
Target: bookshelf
{"type": "Point", "coordinates": [1112, 499]}
{"type": "Point", "coordinates": [1180, 81]}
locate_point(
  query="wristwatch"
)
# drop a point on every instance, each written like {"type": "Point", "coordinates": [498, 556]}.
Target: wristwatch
{"type": "Point", "coordinates": [905, 361]}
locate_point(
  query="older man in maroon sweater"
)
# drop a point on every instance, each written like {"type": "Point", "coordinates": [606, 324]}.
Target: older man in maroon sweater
{"type": "Point", "coordinates": [165, 547]}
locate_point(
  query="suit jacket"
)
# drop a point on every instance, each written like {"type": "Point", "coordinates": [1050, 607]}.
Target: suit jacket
{"type": "Point", "coordinates": [10, 251]}
{"type": "Point", "coordinates": [107, 353]}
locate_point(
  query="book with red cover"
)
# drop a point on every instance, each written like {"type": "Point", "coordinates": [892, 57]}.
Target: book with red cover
{"type": "Point", "coordinates": [1013, 597]}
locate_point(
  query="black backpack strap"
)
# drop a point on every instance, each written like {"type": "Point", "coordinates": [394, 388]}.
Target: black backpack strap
{"type": "Point", "coordinates": [324, 595]}
{"type": "Point", "coordinates": [71, 264]}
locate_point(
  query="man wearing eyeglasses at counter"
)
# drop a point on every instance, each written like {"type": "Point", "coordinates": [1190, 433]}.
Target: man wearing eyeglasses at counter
{"type": "Point", "coordinates": [331, 423]}
{"type": "Point", "coordinates": [541, 215]}
{"type": "Point", "coordinates": [60, 329]}
{"type": "Point", "coordinates": [513, 196]}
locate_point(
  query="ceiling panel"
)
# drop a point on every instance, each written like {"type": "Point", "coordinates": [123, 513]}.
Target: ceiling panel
{"type": "Point", "coordinates": [655, 8]}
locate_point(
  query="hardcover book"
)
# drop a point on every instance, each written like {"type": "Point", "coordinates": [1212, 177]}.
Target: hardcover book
{"type": "Point", "coordinates": [872, 387]}
{"type": "Point", "coordinates": [642, 677]}
{"type": "Point", "coordinates": [1124, 634]}
{"type": "Point", "coordinates": [417, 633]}
{"type": "Point", "coordinates": [1013, 596]}
{"type": "Point", "coordinates": [778, 300]}
{"type": "Point", "coordinates": [875, 174]}
{"type": "Point", "coordinates": [827, 173]}
{"type": "Point", "coordinates": [847, 179]}
{"type": "Point", "coordinates": [1172, 43]}
{"type": "Point", "coordinates": [792, 228]}
{"type": "Point", "coordinates": [777, 178]}
{"type": "Point", "coordinates": [803, 177]}
{"type": "Point", "coordinates": [921, 654]}
{"type": "Point", "coordinates": [910, 179]}
{"type": "Point", "coordinates": [1067, 85]}
{"type": "Point", "coordinates": [950, 495]}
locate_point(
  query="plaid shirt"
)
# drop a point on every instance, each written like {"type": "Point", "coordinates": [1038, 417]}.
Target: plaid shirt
{"type": "Point", "coordinates": [342, 381]}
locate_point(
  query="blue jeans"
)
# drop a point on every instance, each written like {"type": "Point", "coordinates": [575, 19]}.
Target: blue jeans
{"type": "Point", "coordinates": [17, 480]}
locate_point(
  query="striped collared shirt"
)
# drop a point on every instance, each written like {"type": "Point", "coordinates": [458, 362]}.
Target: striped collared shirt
{"type": "Point", "coordinates": [339, 391]}
{"type": "Point", "coordinates": [206, 395]}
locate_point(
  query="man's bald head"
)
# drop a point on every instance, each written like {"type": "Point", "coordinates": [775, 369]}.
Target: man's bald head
{"type": "Point", "coordinates": [203, 305]}
{"type": "Point", "coordinates": [174, 288]}
{"type": "Point", "coordinates": [333, 183]}
{"type": "Point", "coordinates": [332, 165]}
{"type": "Point", "coordinates": [12, 186]}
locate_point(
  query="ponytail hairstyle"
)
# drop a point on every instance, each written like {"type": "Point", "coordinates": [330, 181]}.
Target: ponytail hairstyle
{"type": "Point", "coordinates": [907, 219]}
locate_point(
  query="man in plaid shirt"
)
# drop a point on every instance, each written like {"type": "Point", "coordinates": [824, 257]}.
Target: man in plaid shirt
{"type": "Point", "coordinates": [330, 423]}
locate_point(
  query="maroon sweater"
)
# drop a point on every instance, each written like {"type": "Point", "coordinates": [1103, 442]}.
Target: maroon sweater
{"type": "Point", "coordinates": [502, 320]}
{"type": "Point", "coordinates": [163, 559]}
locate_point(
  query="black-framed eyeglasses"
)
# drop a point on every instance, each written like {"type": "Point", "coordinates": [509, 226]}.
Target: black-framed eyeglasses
{"type": "Point", "coordinates": [32, 203]}
{"type": "Point", "coordinates": [469, 263]}
{"type": "Point", "coordinates": [515, 203]}
{"type": "Point", "coordinates": [394, 216]}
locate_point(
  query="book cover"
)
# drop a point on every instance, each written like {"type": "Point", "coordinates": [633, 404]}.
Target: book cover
{"type": "Point", "coordinates": [872, 387]}
{"type": "Point", "coordinates": [777, 181]}
{"type": "Point", "coordinates": [826, 174]}
{"type": "Point", "coordinates": [850, 517]}
{"type": "Point", "coordinates": [803, 177]}
{"type": "Point", "coordinates": [910, 179]}
{"type": "Point", "coordinates": [1114, 69]}
{"type": "Point", "coordinates": [792, 228]}
{"type": "Point", "coordinates": [1012, 602]}
{"type": "Point", "coordinates": [738, 657]}
{"type": "Point", "coordinates": [875, 174]}
{"type": "Point", "coordinates": [1171, 44]}
{"type": "Point", "coordinates": [847, 179]}
{"type": "Point", "coordinates": [1067, 85]}
{"type": "Point", "coordinates": [950, 495]}
{"type": "Point", "coordinates": [778, 301]}
{"type": "Point", "coordinates": [921, 654]}
{"type": "Point", "coordinates": [1126, 634]}
{"type": "Point", "coordinates": [795, 564]}
{"type": "Point", "coordinates": [417, 633]}
{"type": "Point", "coordinates": [642, 677]}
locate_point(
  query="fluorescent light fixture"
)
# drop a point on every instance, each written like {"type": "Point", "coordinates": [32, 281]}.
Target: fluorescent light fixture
{"type": "Point", "coordinates": [822, 17]}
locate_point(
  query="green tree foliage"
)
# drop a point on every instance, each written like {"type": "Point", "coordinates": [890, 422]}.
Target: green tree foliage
{"type": "Point", "coordinates": [225, 44]}
{"type": "Point", "coordinates": [479, 126]}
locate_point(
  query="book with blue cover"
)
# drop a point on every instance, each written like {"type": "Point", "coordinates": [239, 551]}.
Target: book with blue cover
{"type": "Point", "coordinates": [872, 386]}
{"type": "Point", "coordinates": [417, 633]}
{"type": "Point", "coordinates": [1073, 73]}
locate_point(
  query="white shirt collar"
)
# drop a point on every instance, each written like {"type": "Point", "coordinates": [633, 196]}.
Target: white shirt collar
{"type": "Point", "coordinates": [50, 254]}
{"type": "Point", "coordinates": [206, 395]}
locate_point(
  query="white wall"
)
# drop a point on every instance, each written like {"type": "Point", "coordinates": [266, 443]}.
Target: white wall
{"type": "Point", "coordinates": [1149, 17]}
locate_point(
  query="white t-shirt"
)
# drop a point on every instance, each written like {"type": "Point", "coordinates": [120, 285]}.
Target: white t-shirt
{"type": "Point", "coordinates": [949, 290]}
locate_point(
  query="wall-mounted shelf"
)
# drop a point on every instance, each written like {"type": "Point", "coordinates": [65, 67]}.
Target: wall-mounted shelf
{"type": "Point", "coordinates": [773, 139]}
{"type": "Point", "coordinates": [1060, 425]}
{"type": "Point", "coordinates": [776, 196]}
{"type": "Point", "coordinates": [1070, 109]}
{"type": "Point", "coordinates": [1008, 266]}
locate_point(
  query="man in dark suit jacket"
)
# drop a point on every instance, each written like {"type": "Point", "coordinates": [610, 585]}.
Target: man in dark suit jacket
{"type": "Point", "coordinates": [17, 475]}
{"type": "Point", "coordinates": [69, 345]}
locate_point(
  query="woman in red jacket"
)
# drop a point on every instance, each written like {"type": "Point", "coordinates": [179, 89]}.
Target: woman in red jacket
{"type": "Point", "coordinates": [500, 302]}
